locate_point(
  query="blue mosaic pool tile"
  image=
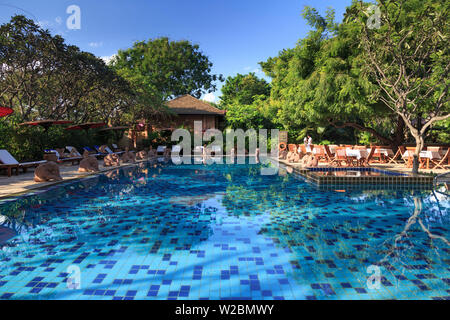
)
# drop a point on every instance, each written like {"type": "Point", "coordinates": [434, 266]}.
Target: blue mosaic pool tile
{"type": "Point", "coordinates": [235, 239]}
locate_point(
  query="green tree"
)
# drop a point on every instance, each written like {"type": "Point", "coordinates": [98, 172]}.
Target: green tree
{"type": "Point", "coordinates": [43, 77]}
{"type": "Point", "coordinates": [408, 57]}
{"type": "Point", "coordinates": [318, 84]}
{"type": "Point", "coordinates": [167, 68]}
{"type": "Point", "coordinates": [244, 98]}
{"type": "Point", "coordinates": [243, 89]}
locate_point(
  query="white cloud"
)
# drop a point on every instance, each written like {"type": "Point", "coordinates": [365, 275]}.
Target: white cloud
{"type": "Point", "coordinates": [58, 20]}
{"type": "Point", "coordinates": [210, 97]}
{"type": "Point", "coordinates": [257, 71]}
{"type": "Point", "coordinates": [44, 24]}
{"type": "Point", "coordinates": [108, 59]}
{"type": "Point", "coordinates": [96, 44]}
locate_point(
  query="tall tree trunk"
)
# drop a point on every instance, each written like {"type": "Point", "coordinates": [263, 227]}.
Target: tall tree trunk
{"type": "Point", "coordinates": [399, 134]}
{"type": "Point", "coordinates": [419, 147]}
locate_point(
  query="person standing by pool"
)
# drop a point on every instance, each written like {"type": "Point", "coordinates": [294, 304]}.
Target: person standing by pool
{"type": "Point", "coordinates": [308, 143]}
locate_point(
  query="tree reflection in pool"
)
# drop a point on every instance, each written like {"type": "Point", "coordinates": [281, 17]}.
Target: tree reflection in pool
{"type": "Point", "coordinates": [223, 231]}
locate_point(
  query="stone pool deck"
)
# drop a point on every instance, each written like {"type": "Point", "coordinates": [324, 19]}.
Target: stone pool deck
{"type": "Point", "coordinates": [22, 183]}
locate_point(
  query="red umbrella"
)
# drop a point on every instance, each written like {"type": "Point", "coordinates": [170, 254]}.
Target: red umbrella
{"type": "Point", "coordinates": [115, 128]}
{"type": "Point", "coordinates": [45, 123]}
{"type": "Point", "coordinates": [5, 111]}
{"type": "Point", "coordinates": [86, 126]}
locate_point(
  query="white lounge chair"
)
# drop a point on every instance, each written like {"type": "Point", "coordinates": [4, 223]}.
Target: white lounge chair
{"type": "Point", "coordinates": [60, 159]}
{"type": "Point", "coordinates": [176, 149]}
{"type": "Point", "coordinates": [215, 149]}
{"type": "Point", "coordinates": [73, 150]}
{"type": "Point", "coordinates": [160, 150]}
{"type": "Point", "coordinates": [8, 162]}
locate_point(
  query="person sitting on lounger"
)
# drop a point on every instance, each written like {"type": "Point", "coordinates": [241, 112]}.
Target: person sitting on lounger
{"type": "Point", "coordinates": [62, 153]}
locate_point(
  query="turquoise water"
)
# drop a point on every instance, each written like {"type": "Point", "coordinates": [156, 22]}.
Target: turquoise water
{"type": "Point", "coordinates": [222, 232]}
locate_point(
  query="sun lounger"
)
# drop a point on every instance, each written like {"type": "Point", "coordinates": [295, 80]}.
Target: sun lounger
{"type": "Point", "coordinates": [8, 162]}
{"type": "Point", "coordinates": [92, 152]}
{"type": "Point", "coordinates": [73, 150]}
{"type": "Point", "coordinates": [329, 154]}
{"type": "Point", "coordinates": [59, 159]}
{"type": "Point", "coordinates": [319, 152]}
{"type": "Point", "coordinates": [161, 150]}
{"type": "Point", "coordinates": [116, 148]}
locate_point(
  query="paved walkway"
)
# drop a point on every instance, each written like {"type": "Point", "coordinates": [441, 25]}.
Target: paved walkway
{"type": "Point", "coordinates": [24, 182]}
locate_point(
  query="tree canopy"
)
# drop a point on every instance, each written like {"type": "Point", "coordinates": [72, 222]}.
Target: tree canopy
{"type": "Point", "coordinates": [244, 96]}
{"type": "Point", "coordinates": [169, 68]}
{"type": "Point", "coordinates": [331, 78]}
{"type": "Point", "coordinates": [43, 77]}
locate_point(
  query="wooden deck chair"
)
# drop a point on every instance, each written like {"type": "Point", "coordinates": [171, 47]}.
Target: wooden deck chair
{"type": "Point", "coordinates": [408, 156]}
{"type": "Point", "coordinates": [443, 162]}
{"type": "Point", "coordinates": [366, 162]}
{"type": "Point", "coordinates": [329, 154]}
{"type": "Point", "coordinates": [398, 156]}
{"type": "Point", "coordinates": [320, 153]}
{"type": "Point", "coordinates": [376, 154]}
{"type": "Point", "coordinates": [292, 147]}
{"type": "Point", "coordinates": [340, 156]}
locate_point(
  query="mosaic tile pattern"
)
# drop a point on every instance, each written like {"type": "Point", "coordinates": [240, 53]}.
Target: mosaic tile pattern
{"type": "Point", "coordinates": [366, 176]}
{"type": "Point", "coordinates": [221, 232]}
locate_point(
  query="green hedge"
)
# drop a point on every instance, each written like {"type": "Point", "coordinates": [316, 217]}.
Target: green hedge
{"type": "Point", "coordinates": [27, 143]}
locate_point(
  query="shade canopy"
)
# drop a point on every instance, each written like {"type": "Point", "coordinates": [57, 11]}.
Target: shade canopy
{"type": "Point", "coordinates": [45, 123]}
{"type": "Point", "coordinates": [86, 126]}
{"type": "Point", "coordinates": [5, 111]}
{"type": "Point", "coordinates": [115, 128]}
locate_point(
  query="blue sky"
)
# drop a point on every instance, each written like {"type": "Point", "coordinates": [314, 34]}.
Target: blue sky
{"type": "Point", "coordinates": [234, 34]}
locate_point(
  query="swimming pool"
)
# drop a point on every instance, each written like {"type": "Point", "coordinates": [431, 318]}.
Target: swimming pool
{"type": "Point", "coordinates": [222, 232]}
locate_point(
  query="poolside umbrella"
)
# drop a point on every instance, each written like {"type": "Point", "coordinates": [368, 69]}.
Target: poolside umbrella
{"type": "Point", "coordinates": [46, 124]}
{"type": "Point", "coordinates": [5, 111]}
{"type": "Point", "coordinates": [115, 128]}
{"type": "Point", "coordinates": [86, 126]}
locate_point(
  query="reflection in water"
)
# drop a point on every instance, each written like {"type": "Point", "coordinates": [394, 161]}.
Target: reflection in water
{"type": "Point", "coordinates": [240, 233]}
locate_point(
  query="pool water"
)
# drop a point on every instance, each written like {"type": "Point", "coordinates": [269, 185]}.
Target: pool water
{"type": "Point", "coordinates": [222, 232]}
